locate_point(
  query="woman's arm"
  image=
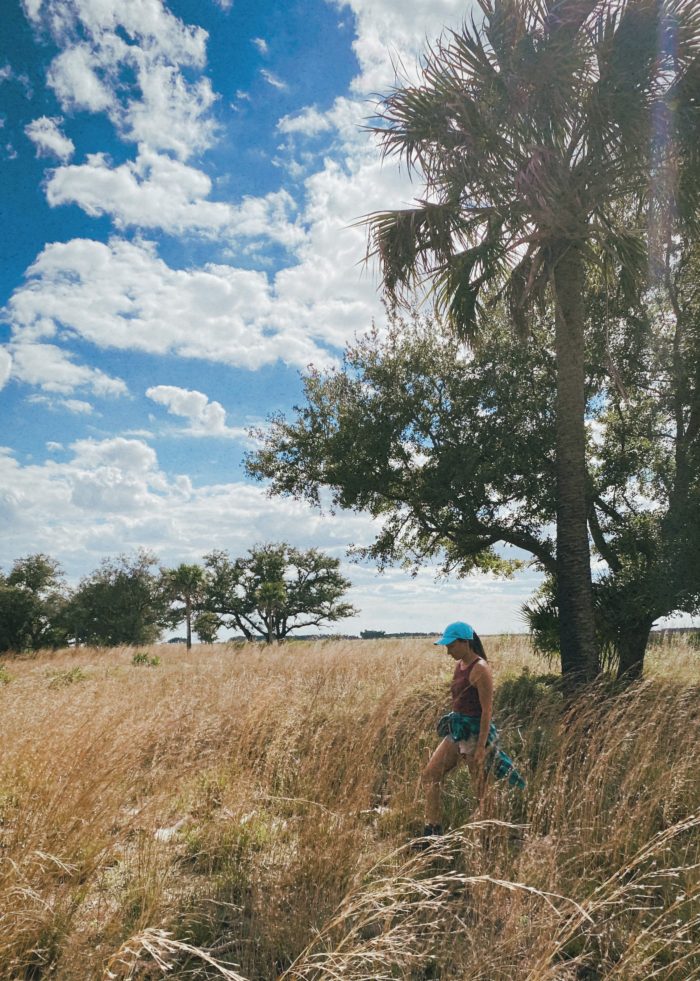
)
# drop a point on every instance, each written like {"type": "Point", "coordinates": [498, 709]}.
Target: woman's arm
{"type": "Point", "coordinates": [482, 679]}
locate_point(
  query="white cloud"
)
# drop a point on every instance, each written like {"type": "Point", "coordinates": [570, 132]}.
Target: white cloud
{"type": "Point", "coordinates": [5, 366]}
{"type": "Point", "coordinates": [101, 39]}
{"type": "Point", "coordinates": [112, 496]}
{"type": "Point", "coordinates": [121, 295]}
{"type": "Point", "coordinates": [48, 138]}
{"type": "Point", "coordinates": [75, 81]}
{"type": "Point", "coordinates": [173, 114]}
{"type": "Point", "coordinates": [156, 191]}
{"type": "Point", "coordinates": [390, 33]}
{"type": "Point", "coordinates": [152, 191]}
{"type": "Point", "coordinates": [261, 44]}
{"type": "Point", "coordinates": [206, 418]}
{"type": "Point", "coordinates": [309, 122]}
{"type": "Point", "coordinates": [52, 369]}
{"type": "Point", "coordinates": [273, 80]}
{"type": "Point", "coordinates": [76, 406]}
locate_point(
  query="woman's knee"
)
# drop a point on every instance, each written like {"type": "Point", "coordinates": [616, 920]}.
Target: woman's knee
{"type": "Point", "coordinates": [440, 763]}
{"type": "Point", "coordinates": [430, 777]}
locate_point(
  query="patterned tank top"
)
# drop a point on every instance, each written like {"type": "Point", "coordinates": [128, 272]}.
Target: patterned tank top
{"type": "Point", "coordinates": [465, 697]}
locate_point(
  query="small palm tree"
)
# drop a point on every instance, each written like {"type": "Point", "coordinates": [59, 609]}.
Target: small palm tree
{"type": "Point", "coordinates": [545, 138]}
{"type": "Point", "coordinates": [185, 585]}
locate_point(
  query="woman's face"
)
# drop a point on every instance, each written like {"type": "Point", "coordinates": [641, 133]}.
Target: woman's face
{"type": "Point", "coordinates": [458, 649]}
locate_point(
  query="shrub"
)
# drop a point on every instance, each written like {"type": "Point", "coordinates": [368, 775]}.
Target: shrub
{"type": "Point", "coordinates": [142, 659]}
{"type": "Point", "coordinates": [62, 679]}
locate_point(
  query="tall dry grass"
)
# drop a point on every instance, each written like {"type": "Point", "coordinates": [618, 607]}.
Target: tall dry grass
{"type": "Point", "coordinates": [247, 813]}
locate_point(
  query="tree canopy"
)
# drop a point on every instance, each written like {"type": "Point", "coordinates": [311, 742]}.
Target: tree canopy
{"type": "Point", "coordinates": [32, 605]}
{"type": "Point", "coordinates": [275, 589]}
{"type": "Point", "coordinates": [121, 602]}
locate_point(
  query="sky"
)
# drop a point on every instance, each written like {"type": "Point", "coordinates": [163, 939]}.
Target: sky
{"type": "Point", "coordinates": [179, 186]}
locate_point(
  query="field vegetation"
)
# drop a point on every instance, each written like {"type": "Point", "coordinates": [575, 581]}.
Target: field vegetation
{"type": "Point", "coordinates": [247, 812]}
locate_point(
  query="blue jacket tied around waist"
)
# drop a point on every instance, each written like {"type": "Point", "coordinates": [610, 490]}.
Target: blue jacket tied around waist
{"type": "Point", "coordinates": [464, 727]}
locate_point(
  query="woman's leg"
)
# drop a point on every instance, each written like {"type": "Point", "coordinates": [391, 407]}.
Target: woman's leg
{"type": "Point", "coordinates": [478, 775]}
{"type": "Point", "coordinates": [444, 759]}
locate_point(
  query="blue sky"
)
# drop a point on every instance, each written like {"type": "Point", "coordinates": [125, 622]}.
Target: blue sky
{"type": "Point", "coordinates": [179, 183]}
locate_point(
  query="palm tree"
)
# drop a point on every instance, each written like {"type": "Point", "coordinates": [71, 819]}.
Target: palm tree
{"type": "Point", "coordinates": [185, 585]}
{"type": "Point", "coordinates": [545, 137]}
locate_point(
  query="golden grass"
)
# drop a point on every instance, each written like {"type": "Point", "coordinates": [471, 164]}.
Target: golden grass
{"type": "Point", "coordinates": [247, 813]}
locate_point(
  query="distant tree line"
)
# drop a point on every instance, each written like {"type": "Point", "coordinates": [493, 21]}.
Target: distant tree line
{"type": "Point", "coordinates": [265, 595]}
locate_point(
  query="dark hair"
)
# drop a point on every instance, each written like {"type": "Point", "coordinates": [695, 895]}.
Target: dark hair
{"type": "Point", "coordinates": [477, 646]}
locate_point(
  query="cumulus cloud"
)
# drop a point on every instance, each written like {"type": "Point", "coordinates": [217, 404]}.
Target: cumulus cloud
{"type": "Point", "coordinates": [156, 191]}
{"type": "Point", "coordinates": [74, 78]}
{"type": "Point", "coordinates": [121, 295]}
{"type": "Point", "coordinates": [173, 114]}
{"type": "Point", "coordinates": [390, 34]}
{"type": "Point", "coordinates": [53, 370]}
{"type": "Point", "coordinates": [111, 496]}
{"type": "Point", "coordinates": [163, 108]}
{"type": "Point", "coordinates": [309, 122]}
{"type": "Point", "coordinates": [48, 139]}
{"type": "Point", "coordinates": [206, 418]}
{"type": "Point", "coordinates": [152, 191]}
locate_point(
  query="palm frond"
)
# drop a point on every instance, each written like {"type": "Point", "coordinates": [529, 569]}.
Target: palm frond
{"type": "Point", "coordinates": [408, 241]}
{"type": "Point", "coordinates": [458, 283]}
{"type": "Point", "coordinates": [626, 248]}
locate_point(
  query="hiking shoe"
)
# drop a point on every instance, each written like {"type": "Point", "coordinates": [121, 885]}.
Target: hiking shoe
{"type": "Point", "coordinates": [429, 831]}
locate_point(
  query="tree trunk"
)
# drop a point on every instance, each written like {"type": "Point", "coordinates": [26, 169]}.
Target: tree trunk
{"type": "Point", "coordinates": [579, 655]}
{"type": "Point", "coordinates": [188, 622]}
{"type": "Point", "coordinates": [632, 647]}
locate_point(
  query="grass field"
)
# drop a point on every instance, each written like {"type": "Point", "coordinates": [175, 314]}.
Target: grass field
{"type": "Point", "coordinates": [246, 813]}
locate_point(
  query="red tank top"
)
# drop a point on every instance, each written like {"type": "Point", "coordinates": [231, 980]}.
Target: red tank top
{"type": "Point", "coordinates": [465, 697]}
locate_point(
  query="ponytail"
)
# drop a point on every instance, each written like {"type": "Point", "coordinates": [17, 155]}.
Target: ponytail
{"type": "Point", "coordinates": [478, 647]}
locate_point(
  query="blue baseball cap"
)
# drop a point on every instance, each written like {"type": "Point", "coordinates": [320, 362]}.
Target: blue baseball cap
{"type": "Point", "coordinates": [456, 631]}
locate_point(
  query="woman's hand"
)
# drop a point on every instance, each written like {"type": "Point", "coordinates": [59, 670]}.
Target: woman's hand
{"type": "Point", "coordinates": [479, 756]}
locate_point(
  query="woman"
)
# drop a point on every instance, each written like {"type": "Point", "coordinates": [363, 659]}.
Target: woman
{"type": "Point", "coordinates": [468, 730]}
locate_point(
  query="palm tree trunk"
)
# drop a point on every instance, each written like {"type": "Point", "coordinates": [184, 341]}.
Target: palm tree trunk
{"type": "Point", "coordinates": [579, 655]}
{"type": "Point", "coordinates": [188, 622]}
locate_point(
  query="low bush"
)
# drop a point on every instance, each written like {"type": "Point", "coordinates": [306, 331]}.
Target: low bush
{"type": "Point", "coordinates": [62, 679]}
{"type": "Point", "coordinates": [143, 659]}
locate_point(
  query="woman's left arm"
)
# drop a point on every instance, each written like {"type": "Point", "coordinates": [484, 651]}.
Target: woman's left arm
{"type": "Point", "coordinates": [482, 679]}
